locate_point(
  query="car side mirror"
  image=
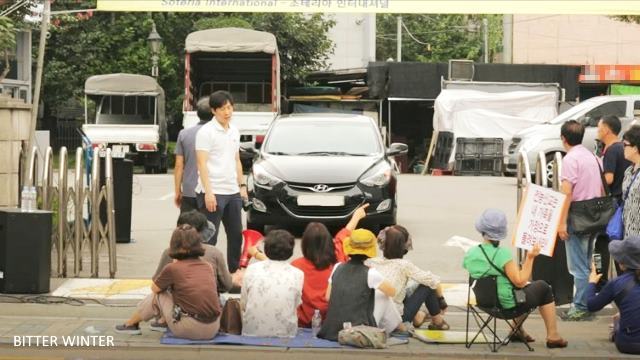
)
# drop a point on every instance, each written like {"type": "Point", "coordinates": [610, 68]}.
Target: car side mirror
{"type": "Point", "coordinates": [397, 149]}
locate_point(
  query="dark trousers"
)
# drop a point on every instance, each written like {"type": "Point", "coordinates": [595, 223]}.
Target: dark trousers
{"type": "Point", "coordinates": [423, 295]}
{"type": "Point", "coordinates": [187, 204]}
{"type": "Point", "coordinates": [229, 211]}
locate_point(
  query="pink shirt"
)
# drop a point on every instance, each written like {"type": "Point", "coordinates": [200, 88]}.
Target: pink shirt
{"type": "Point", "coordinates": [581, 168]}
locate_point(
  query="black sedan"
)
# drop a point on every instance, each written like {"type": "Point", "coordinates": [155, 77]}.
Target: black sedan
{"type": "Point", "coordinates": [321, 167]}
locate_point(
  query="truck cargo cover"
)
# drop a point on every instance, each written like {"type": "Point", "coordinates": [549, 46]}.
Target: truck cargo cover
{"type": "Point", "coordinates": [231, 40]}
{"type": "Point", "coordinates": [122, 84]}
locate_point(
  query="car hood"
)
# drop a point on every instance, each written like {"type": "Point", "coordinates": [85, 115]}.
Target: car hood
{"type": "Point", "coordinates": [318, 169]}
{"type": "Point", "coordinates": [544, 131]}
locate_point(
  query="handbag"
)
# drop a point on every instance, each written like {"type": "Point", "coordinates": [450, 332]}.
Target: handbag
{"type": "Point", "coordinates": [518, 294]}
{"type": "Point", "coordinates": [231, 318]}
{"type": "Point", "coordinates": [593, 215]}
{"type": "Point", "coordinates": [363, 336]}
{"type": "Point", "coordinates": [615, 227]}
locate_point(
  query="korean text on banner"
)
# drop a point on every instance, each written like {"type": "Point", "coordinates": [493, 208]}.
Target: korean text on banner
{"type": "Point", "coordinates": [538, 219]}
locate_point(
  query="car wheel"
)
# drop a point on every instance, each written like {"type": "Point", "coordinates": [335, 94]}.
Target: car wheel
{"type": "Point", "coordinates": [550, 164]}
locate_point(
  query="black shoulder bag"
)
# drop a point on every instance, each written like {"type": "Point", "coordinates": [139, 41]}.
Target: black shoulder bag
{"type": "Point", "coordinates": [518, 294]}
{"type": "Point", "coordinates": [593, 215]}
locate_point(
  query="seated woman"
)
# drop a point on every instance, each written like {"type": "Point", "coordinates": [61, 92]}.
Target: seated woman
{"type": "Point", "coordinates": [320, 253]}
{"type": "Point", "coordinates": [212, 255]}
{"type": "Point", "coordinates": [395, 242]}
{"type": "Point", "coordinates": [624, 290]}
{"type": "Point", "coordinates": [351, 292]}
{"type": "Point", "coordinates": [480, 261]}
{"type": "Point", "coordinates": [271, 290]}
{"type": "Point", "coordinates": [185, 294]}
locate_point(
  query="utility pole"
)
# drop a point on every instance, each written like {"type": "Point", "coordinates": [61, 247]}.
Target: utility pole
{"type": "Point", "coordinates": [399, 40]}
{"type": "Point", "coordinates": [485, 33]}
{"type": "Point", "coordinates": [44, 29]}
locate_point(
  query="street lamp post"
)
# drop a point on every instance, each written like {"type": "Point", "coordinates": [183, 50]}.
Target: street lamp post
{"type": "Point", "coordinates": [154, 40]}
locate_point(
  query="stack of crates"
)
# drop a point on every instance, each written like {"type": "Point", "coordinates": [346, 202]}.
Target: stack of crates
{"type": "Point", "coordinates": [479, 156]}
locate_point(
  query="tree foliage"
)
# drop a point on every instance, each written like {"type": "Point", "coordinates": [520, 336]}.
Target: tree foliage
{"type": "Point", "coordinates": [7, 44]}
{"type": "Point", "coordinates": [86, 44]}
{"type": "Point", "coordinates": [440, 37]}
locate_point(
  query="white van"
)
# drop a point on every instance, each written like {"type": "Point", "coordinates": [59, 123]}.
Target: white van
{"type": "Point", "coordinates": [546, 137]}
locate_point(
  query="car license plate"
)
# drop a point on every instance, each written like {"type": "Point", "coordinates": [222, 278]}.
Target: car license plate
{"type": "Point", "coordinates": [320, 200]}
{"type": "Point", "coordinates": [119, 151]}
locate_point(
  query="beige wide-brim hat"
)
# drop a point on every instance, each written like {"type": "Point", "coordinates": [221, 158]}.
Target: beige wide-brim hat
{"type": "Point", "coordinates": [360, 242]}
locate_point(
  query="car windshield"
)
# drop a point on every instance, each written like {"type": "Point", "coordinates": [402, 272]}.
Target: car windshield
{"type": "Point", "coordinates": [571, 113]}
{"type": "Point", "coordinates": [320, 138]}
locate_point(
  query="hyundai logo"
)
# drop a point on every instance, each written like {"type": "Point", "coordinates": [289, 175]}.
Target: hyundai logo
{"type": "Point", "coordinates": [321, 188]}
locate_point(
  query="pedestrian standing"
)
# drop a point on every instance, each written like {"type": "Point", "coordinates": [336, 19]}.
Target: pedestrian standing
{"type": "Point", "coordinates": [581, 180]}
{"type": "Point", "coordinates": [221, 185]}
{"type": "Point", "coordinates": [631, 183]}
{"type": "Point", "coordinates": [185, 171]}
{"type": "Point", "coordinates": [614, 163]}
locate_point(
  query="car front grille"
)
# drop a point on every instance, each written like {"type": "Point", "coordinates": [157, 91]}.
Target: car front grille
{"type": "Point", "coordinates": [320, 211]}
{"type": "Point", "coordinates": [330, 187]}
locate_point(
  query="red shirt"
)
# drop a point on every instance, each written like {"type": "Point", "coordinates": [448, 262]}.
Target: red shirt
{"type": "Point", "coordinates": [313, 291]}
{"type": "Point", "coordinates": [316, 281]}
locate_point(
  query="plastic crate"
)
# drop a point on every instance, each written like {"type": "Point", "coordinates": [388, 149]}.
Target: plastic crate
{"type": "Point", "coordinates": [479, 147]}
{"type": "Point", "coordinates": [483, 166]}
{"type": "Point", "coordinates": [442, 151]}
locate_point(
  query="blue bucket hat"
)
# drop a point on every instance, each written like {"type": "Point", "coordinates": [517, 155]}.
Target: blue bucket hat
{"type": "Point", "coordinates": [626, 251]}
{"type": "Point", "coordinates": [493, 224]}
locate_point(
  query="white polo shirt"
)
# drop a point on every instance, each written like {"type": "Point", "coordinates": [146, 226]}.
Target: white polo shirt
{"type": "Point", "coordinates": [222, 146]}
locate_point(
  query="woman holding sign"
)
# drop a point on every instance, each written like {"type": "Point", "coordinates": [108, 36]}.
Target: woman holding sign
{"type": "Point", "coordinates": [489, 259]}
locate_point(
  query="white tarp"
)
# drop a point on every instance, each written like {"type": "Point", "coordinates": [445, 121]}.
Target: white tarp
{"type": "Point", "coordinates": [231, 40]}
{"type": "Point", "coordinates": [478, 114]}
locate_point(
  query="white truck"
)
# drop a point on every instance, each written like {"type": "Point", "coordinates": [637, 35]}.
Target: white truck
{"type": "Point", "coordinates": [546, 137]}
{"type": "Point", "coordinates": [127, 115]}
{"type": "Point", "coordinates": [241, 61]}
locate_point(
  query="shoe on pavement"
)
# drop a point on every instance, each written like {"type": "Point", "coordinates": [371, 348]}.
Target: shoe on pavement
{"type": "Point", "coordinates": [576, 315]}
{"type": "Point", "coordinates": [128, 329]}
{"type": "Point", "coordinates": [158, 326]}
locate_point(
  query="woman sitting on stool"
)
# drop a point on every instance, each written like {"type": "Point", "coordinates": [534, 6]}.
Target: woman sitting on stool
{"type": "Point", "coordinates": [485, 260]}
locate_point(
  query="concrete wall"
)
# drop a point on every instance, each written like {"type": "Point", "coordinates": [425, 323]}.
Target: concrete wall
{"type": "Point", "coordinates": [354, 37]}
{"type": "Point", "coordinates": [15, 124]}
{"type": "Point", "coordinates": [574, 39]}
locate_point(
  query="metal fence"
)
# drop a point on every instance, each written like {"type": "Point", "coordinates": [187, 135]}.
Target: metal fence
{"type": "Point", "coordinates": [77, 221]}
{"type": "Point", "coordinates": [66, 134]}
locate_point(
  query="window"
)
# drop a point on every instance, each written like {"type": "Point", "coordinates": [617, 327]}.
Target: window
{"type": "Point", "coordinates": [617, 108]}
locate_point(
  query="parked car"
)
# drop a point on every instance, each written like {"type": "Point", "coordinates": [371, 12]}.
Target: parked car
{"type": "Point", "coordinates": [321, 167]}
{"type": "Point", "coordinates": [546, 137]}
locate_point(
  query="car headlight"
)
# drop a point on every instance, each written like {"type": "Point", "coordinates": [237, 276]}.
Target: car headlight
{"type": "Point", "coordinates": [263, 178]}
{"type": "Point", "coordinates": [379, 176]}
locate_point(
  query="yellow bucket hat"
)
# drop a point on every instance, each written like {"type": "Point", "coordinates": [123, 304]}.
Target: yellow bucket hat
{"type": "Point", "coordinates": [361, 242]}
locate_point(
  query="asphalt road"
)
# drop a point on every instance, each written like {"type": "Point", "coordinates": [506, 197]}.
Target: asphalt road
{"type": "Point", "coordinates": [433, 208]}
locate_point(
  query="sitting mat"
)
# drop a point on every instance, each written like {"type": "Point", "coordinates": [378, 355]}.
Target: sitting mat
{"type": "Point", "coordinates": [304, 339]}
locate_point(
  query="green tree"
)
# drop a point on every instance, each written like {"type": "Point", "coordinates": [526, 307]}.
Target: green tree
{"type": "Point", "coordinates": [87, 44]}
{"type": "Point", "coordinates": [437, 37]}
{"type": "Point", "coordinates": [7, 44]}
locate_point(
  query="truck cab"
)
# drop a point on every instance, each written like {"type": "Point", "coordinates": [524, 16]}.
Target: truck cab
{"type": "Point", "coordinates": [546, 137]}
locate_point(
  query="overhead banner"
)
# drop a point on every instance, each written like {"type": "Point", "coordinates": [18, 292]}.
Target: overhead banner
{"type": "Point", "coordinates": [379, 6]}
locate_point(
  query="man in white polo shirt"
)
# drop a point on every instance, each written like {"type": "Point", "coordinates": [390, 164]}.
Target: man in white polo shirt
{"type": "Point", "coordinates": [221, 186]}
